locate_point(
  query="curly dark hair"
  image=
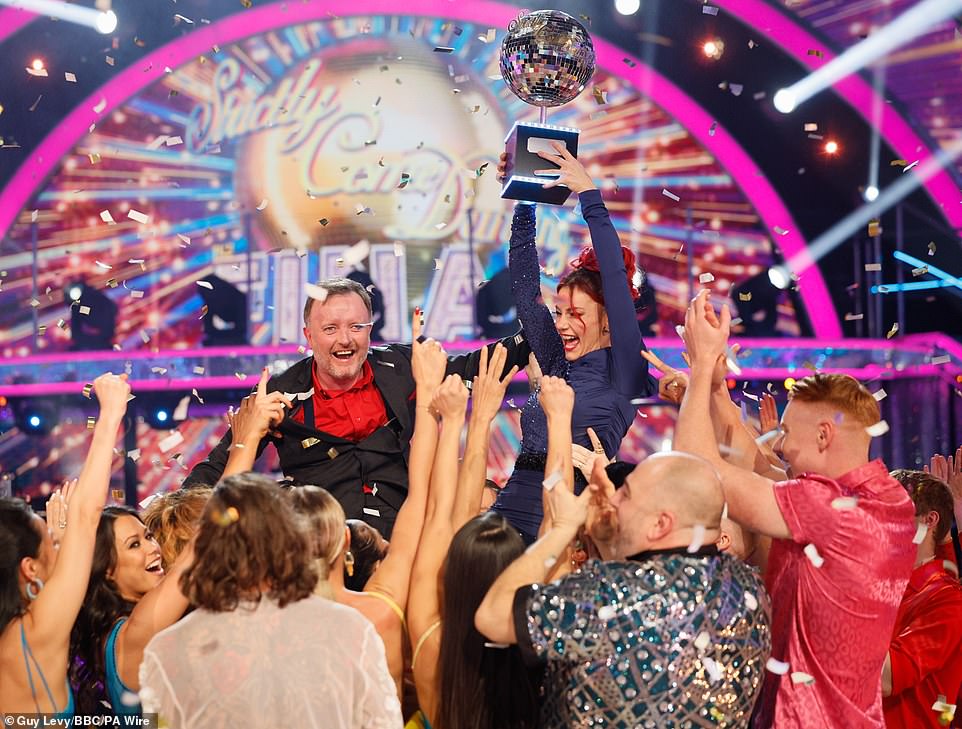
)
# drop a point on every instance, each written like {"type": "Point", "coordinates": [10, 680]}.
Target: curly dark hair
{"type": "Point", "coordinates": [103, 606]}
{"type": "Point", "coordinates": [249, 537]}
{"type": "Point", "coordinates": [19, 538]}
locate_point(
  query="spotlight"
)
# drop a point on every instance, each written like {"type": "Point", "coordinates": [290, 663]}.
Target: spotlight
{"type": "Point", "coordinates": [93, 318]}
{"type": "Point", "coordinates": [713, 48]}
{"type": "Point", "coordinates": [779, 277]}
{"type": "Point", "coordinates": [627, 7]}
{"type": "Point", "coordinates": [158, 410]}
{"type": "Point", "coordinates": [785, 101]}
{"type": "Point", "coordinates": [37, 64]}
{"type": "Point", "coordinates": [871, 193]}
{"type": "Point", "coordinates": [225, 322]}
{"type": "Point", "coordinates": [831, 147]}
{"type": "Point", "coordinates": [106, 22]}
{"type": "Point", "coordinates": [162, 416]}
{"type": "Point", "coordinates": [35, 415]}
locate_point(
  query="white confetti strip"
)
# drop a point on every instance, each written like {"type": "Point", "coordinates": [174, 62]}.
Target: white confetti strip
{"type": "Point", "coordinates": [69, 77]}
{"type": "Point", "coordinates": [137, 216]}
{"type": "Point", "coordinates": [318, 293]}
{"type": "Point", "coordinates": [880, 428]}
{"type": "Point", "coordinates": [206, 285]}
{"type": "Point", "coordinates": [357, 253]}
{"type": "Point", "coordinates": [706, 278]}
{"type": "Point", "coordinates": [107, 217]}
{"type": "Point", "coordinates": [552, 480]}
{"type": "Point", "coordinates": [101, 105]}
{"type": "Point", "coordinates": [198, 370]}
{"type": "Point", "coordinates": [780, 230]}
{"type": "Point", "coordinates": [171, 441]}
{"type": "Point", "coordinates": [84, 310]}
{"type": "Point", "coordinates": [776, 666]}
{"type": "Point", "coordinates": [180, 412]}
{"type": "Point", "coordinates": [680, 330]}
{"type": "Point", "coordinates": [173, 141]}
{"type": "Point", "coordinates": [697, 538]}
{"type": "Point", "coordinates": [801, 677]}
{"type": "Point", "coordinates": [670, 195]}
{"type": "Point", "coordinates": [712, 668]}
{"type": "Point", "coordinates": [262, 205]}
{"type": "Point", "coordinates": [873, 266]}
{"type": "Point", "coordinates": [135, 294]}
{"type": "Point", "coordinates": [920, 531]}
{"type": "Point", "coordinates": [942, 359]}
{"type": "Point", "coordinates": [811, 551]}
{"type": "Point", "coordinates": [845, 503]}
{"type": "Point", "coordinates": [879, 394]}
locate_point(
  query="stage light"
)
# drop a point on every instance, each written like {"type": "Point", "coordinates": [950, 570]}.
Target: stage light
{"type": "Point", "coordinates": [34, 421]}
{"type": "Point", "coordinates": [161, 415]}
{"type": "Point", "coordinates": [35, 415]}
{"type": "Point", "coordinates": [225, 322]}
{"type": "Point", "coordinates": [785, 101]}
{"type": "Point", "coordinates": [871, 193]}
{"type": "Point", "coordinates": [75, 292]}
{"type": "Point", "coordinates": [37, 64]}
{"type": "Point", "coordinates": [713, 48]}
{"type": "Point", "coordinates": [831, 147]}
{"type": "Point", "coordinates": [627, 7]}
{"type": "Point", "coordinates": [779, 277]}
{"type": "Point", "coordinates": [106, 22]}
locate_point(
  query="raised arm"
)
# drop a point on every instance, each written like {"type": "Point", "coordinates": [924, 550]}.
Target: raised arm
{"type": "Point", "coordinates": [251, 424]}
{"type": "Point", "coordinates": [487, 395]}
{"type": "Point", "coordinates": [557, 399]}
{"type": "Point", "coordinates": [56, 608]}
{"type": "Point", "coordinates": [160, 608]}
{"type": "Point", "coordinates": [750, 497]}
{"type": "Point", "coordinates": [393, 577]}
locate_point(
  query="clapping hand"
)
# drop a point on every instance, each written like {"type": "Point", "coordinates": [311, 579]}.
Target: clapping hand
{"type": "Point", "coordinates": [948, 469]}
{"type": "Point", "coordinates": [570, 172]}
{"type": "Point", "coordinates": [767, 413]}
{"type": "Point", "coordinates": [487, 392]}
{"type": "Point", "coordinates": [706, 336]}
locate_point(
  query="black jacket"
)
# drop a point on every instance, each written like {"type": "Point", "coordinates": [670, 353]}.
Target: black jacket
{"type": "Point", "coordinates": [311, 456]}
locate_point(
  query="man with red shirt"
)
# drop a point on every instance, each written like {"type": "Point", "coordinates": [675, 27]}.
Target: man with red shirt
{"type": "Point", "coordinates": [348, 410]}
{"type": "Point", "coordinates": [841, 532]}
{"type": "Point", "coordinates": [923, 670]}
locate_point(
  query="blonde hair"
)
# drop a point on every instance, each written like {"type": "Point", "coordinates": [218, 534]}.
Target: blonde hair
{"type": "Point", "coordinates": [842, 393]}
{"type": "Point", "coordinates": [173, 519]}
{"type": "Point", "coordinates": [326, 526]}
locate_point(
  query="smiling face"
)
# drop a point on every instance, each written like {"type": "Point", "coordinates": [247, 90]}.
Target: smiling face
{"type": "Point", "coordinates": [138, 567]}
{"type": "Point", "coordinates": [339, 332]}
{"type": "Point", "coordinates": [803, 438]}
{"type": "Point", "coordinates": [581, 321]}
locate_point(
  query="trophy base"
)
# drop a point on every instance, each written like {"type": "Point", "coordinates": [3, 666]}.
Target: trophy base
{"type": "Point", "coordinates": [522, 145]}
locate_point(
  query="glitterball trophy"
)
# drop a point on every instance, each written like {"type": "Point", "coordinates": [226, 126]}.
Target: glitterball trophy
{"type": "Point", "coordinates": [547, 59]}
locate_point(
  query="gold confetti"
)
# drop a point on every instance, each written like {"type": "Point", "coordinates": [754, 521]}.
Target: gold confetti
{"type": "Point", "coordinates": [745, 297]}
{"type": "Point", "coordinates": [117, 494]}
{"type": "Point", "coordinates": [88, 388]}
{"type": "Point", "coordinates": [91, 422]}
{"type": "Point", "coordinates": [898, 163]}
{"type": "Point", "coordinates": [323, 221]}
{"type": "Point", "coordinates": [230, 515]}
{"type": "Point", "coordinates": [309, 442]}
{"type": "Point", "coordinates": [601, 96]}
{"type": "Point", "coordinates": [874, 228]}
{"type": "Point", "coordinates": [815, 52]}
{"type": "Point", "coordinates": [893, 331]}
{"type": "Point", "coordinates": [332, 453]}
{"type": "Point", "coordinates": [931, 248]}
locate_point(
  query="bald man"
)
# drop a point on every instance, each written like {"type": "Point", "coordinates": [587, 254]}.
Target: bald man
{"type": "Point", "coordinates": [664, 630]}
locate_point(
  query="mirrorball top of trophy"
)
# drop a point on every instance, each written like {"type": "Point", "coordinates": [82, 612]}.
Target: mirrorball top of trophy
{"type": "Point", "coordinates": [547, 58]}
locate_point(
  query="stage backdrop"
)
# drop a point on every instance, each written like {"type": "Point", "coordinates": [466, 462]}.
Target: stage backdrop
{"type": "Point", "coordinates": [299, 153]}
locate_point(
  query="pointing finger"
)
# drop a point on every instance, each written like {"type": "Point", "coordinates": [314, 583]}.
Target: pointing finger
{"type": "Point", "coordinates": [262, 383]}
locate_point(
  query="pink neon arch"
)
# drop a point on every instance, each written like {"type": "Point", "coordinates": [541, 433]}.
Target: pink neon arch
{"type": "Point", "coordinates": [726, 149]}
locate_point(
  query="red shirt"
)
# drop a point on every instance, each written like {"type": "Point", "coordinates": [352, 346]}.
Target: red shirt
{"type": "Point", "coordinates": [926, 648]}
{"type": "Point", "coordinates": [835, 622]}
{"type": "Point", "coordinates": [352, 414]}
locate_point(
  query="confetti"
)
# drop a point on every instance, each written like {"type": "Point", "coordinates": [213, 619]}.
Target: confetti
{"type": "Point", "coordinates": [42, 72]}
{"type": "Point", "coordinates": [697, 538]}
{"type": "Point", "coordinates": [893, 331]}
{"type": "Point", "coordinates": [173, 141]}
{"type": "Point", "coordinates": [702, 641]}
{"type": "Point", "coordinates": [206, 285]}
{"type": "Point", "coordinates": [920, 271]}
{"type": "Point", "coordinates": [198, 370]}
{"type": "Point", "coordinates": [443, 49]}
{"type": "Point", "coordinates": [308, 442]}
{"type": "Point", "coordinates": [85, 310]}
{"type": "Point", "coordinates": [552, 480]}
{"type": "Point", "coordinates": [845, 503]}
{"type": "Point", "coordinates": [804, 678]}
{"type": "Point", "coordinates": [180, 412]}
{"type": "Point", "coordinates": [874, 228]}
{"type": "Point", "coordinates": [440, 226]}
{"type": "Point", "coordinates": [317, 293]}
{"type": "Point", "coordinates": [228, 516]}
{"type": "Point", "coordinates": [105, 266]}
{"type": "Point", "coordinates": [438, 264]}
{"type": "Point", "coordinates": [136, 294]}
{"type": "Point", "coordinates": [815, 52]}
{"type": "Point", "coordinates": [323, 221]}
{"type": "Point", "coordinates": [107, 217]}
{"type": "Point", "coordinates": [670, 195]}
{"type": "Point", "coordinates": [908, 167]}
{"type": "Point", "coordinates": [745, 297]}
{"type": "Point", "coordinates": [706, 278]}
{"type": "Point", "coordinates": [101, 105]}
{"type": "Point", "coordinates": [171, 441]}
{"type": "Point", "coordinates": [94, 158]}
{"type": "Point", "coordinates": [712, 128]}
{"type": "Point", "coordinates": [627, 61]}
{"type": "Point", "coordinates": [601, 96]}
{"type": "Point", "coordinates": [262, 205]}
{"type": "Point", "coordinates": [879, 429]}
{"type": "Point", "coordinates": [712, 668]}
{"type": "Point", "coordinates": [920, 531]}
{"type": "Point", "coordinates": [898, 163]}
{"type": "Point", "coordinates": [873, 266]}
{"type": "Point", "coordinates": [709, 10]}
{"type": "Point", "coordinates": [811, 551]}
{"type": "Point", "coordinates": [91, 422]}
{"type": "Point", "coordinates": [777, 667]}
{"type": "Point", "coordinates": [931, 248]}
{"type": "Point", "coordinates": [941, 359]}
{"type": "Point", "coordinates": [779, 230]}
{"type": "Point", "coordinates": [854, 317]}
{"type": "Point", "coordinates": [117, 494]}
{"type": "Point", "coordinates": [137, 216]}
{"type": "Point", "coordinates": [489, 37]}
{"type": "Point", "coordinates": [810, 127]}
{"type": "Point", "coordinates": [332, 453]}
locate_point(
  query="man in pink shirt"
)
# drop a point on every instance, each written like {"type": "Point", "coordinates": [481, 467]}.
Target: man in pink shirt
{"type": "Point", "coordinates": [841, 532]}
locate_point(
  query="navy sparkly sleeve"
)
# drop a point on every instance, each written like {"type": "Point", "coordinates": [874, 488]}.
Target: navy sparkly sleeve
{"type": "Point", "coordinates": [539, 328]}
{"type": "Point", "coordinates": [631, 377]}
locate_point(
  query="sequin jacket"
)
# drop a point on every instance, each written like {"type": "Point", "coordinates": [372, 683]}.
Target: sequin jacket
{"type": "Point", "coordinates": [672, 640]}
{"type": "Point", "coordinates": [605, 381]}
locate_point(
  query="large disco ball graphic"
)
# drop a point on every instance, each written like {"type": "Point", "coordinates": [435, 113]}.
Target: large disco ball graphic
{"type": "Point", "coordinates": [547, 58]}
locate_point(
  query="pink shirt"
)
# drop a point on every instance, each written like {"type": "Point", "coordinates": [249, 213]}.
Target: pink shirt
{"type": "Point", "coordinates": [834, 622]}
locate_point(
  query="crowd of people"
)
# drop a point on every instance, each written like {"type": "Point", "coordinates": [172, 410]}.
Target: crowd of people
{"type": "Point", "coordinates": [765, 577]}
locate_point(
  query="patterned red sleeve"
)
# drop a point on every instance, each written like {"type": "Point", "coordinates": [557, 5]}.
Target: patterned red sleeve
{"type": "Point", "coordinates": [806, 506]}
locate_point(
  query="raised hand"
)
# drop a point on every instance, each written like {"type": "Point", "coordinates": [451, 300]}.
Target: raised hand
{"type": "Point", "coordinates": [673, 383]}
{"type": "Point", "coordinates": [705, 340]}
{"type": "Point", "coordinates": [556, 397]}
{"type": "Point", "coordinates": [258, 413]}
{"type": "Point", "coordinates": [428, 359]}
{"type": "Point", "coordinates": [767, 413]}
{"type": "Point", "coordinates": [602, 521]}
{"type": "Point", "coordinates": [112, 392]}
{"type": "Point", "coordinates": [534, 373]}
{"type": "Point", "coordinates": [451, 399]}
{"type": "Point", "coordinates": [948, 469]}
{"type": "Point", "coordinates": [488, 390]}
{"type": "Point", "coordinates": [584, 459]}
{"type": "Point", "coordinates": [570, 172]}
{"type": "Point", "coordinates": [57, 510]}
{"type": "Point", "coordinates": [567, 510]}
